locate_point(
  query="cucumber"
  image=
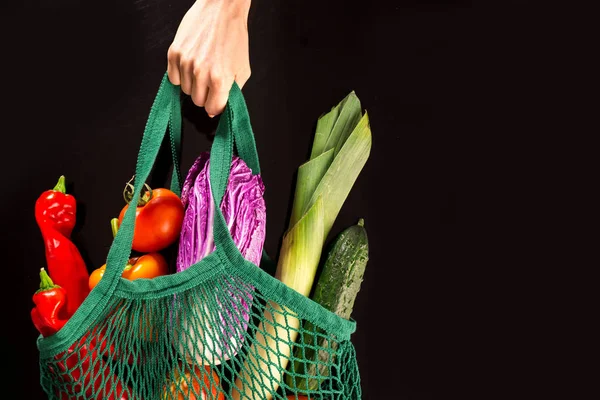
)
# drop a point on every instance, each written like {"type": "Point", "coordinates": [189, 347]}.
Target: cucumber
{"type": "Point", "coordinates": [336, 290]}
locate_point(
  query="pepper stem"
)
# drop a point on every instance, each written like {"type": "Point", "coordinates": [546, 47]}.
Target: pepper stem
{"type": "Point", "coordinates": [45, 281]}
{"type": "Point", "coordinates": [61, 186]}
{"type": "Point", "coordinates": [361, 222]}
{"type": "Point", "coordinates": [114, 225]}
{"type": "Point", "coordinates": [130, 263]}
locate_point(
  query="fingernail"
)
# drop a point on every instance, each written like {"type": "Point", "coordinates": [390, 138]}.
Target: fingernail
{"type": "Point", "coordinates": [210, 115]}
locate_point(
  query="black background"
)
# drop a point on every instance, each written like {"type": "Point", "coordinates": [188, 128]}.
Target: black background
{"type": "Point", "coordinates": [80, 78]}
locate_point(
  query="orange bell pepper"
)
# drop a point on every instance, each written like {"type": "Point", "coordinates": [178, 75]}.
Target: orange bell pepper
{"type": "Point", "coordinates": [146, 266]}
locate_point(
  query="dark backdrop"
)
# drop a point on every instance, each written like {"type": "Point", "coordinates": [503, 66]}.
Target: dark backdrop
{"type": "Point", "coordinates": [80, 78]}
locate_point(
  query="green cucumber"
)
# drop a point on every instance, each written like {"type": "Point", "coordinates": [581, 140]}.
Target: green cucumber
{"type": "Point", "coordinates": [336, 290]}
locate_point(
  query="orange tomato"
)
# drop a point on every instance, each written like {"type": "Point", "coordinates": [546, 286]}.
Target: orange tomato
{"type": "Point", "coordinates": [146, 266]}
{"type": "Point", "coordinates": [180, 389]}
{"type": "Point", "coordinates": [158, 222]}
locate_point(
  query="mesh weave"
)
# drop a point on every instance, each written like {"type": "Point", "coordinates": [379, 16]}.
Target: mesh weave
{"type": "Point", "coordinates": [186, 344]}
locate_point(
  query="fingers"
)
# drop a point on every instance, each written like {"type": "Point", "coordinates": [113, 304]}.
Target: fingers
{"type": "Point", "coordinates": [186, 73]}
{"type": "Point", "coordinates": [180, 68]}
{"type": "Point", "coordinates": [173, 56]}
{"type": "Point", "coordinates": [212, 94]}
{"type": "Point", "coordinates": [218, 93]}
{"type": "Point", "coordinates": [207, 87]}
{"type": "Point", "coordinates": [200, 88]}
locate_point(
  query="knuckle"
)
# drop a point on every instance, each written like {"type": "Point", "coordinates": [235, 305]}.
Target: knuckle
{"type": "Point", "coordinates": [218, 79]}
{"type": "Point", "coordinates": [187, 62]}
{"type": "Point", "coordinates": [197, 70]}
{"type": "Point", "coordinates": [217, 82]}
{"type": "Point", "coordinates": [186, 65]}
{"type": "Point", "coordinates": [173, 53]}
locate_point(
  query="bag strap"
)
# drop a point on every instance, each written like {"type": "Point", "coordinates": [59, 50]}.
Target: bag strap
{"type": "Point", "coordinates": [175, 140]}
{"type": "Point", "coordinates": [234, 128]}
{"type": "Point", "coordinates": [166, 112]}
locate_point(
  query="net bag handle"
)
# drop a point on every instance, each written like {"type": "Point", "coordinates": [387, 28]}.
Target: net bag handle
{"type": "Point", "coordinates": [234, 129]}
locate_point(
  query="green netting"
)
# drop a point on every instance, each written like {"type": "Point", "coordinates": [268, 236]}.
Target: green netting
{"type": "Point", "coordinates": [222, 329]}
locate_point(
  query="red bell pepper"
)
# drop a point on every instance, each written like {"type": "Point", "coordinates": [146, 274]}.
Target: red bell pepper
{"type": "Point", "coordinates": [48, 315]}
{"type": "Point", "coordinates": [87, 375]}
{"type": "Point", "coordinates": [55, 215]}
{"type": "Point", "coordinates": [109, 351]}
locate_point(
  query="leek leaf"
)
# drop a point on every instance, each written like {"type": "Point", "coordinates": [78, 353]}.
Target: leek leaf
{"type": "Point", "coordinates": [309, 176]}
{"type": "Point", "coordinates": [323, 130]}
{"type": "Point", "coordinates": [350, 114]}
{"type": "Point", "coordinates": [335, 186]}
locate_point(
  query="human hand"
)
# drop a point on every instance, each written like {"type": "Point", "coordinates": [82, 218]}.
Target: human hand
{"type": "Point", "coordinates": [210, 51]}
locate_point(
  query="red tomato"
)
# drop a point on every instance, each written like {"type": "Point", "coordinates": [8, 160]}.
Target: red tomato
{"type": "Point", "coordinates": [180, 390]}
{"type": "Point", "coordinates": [158, 222]}
{"type": "Point", "coordinates": [293, 397]}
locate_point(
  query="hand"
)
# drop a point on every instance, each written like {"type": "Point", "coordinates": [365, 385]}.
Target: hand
{"type": "Point", "coordinates": [210, 51]}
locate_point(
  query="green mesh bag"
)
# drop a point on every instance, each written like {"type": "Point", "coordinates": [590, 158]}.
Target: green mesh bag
{"type": "Point", "coordinates": [223, 328]}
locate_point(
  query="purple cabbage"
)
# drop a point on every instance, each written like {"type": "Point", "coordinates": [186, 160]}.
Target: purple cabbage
{"type": "Point", "coordinates": [243, 207]}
